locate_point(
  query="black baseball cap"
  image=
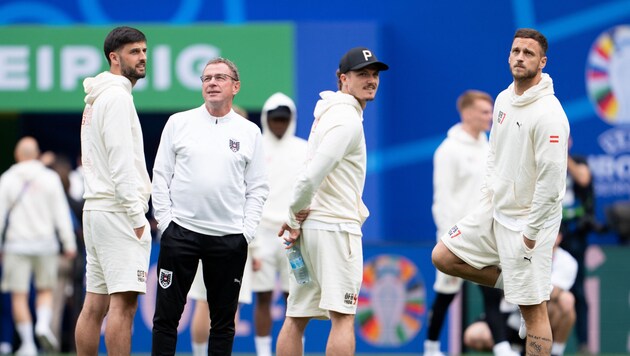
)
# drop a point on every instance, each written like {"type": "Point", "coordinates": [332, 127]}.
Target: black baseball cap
{"type": "Point", "coordinates": [359, 57]}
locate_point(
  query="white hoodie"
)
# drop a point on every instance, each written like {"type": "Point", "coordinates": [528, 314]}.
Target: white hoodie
{"type": "Point", "coordinates": [112, 149]}
{"type": "Point", "coordinates": [332, 183]}
{"type": "Point", "coordinates": [285, 159]}
{"type": "Point", "coordinates": [38, 214]}
{"type": "Point", "coordinates": [527, 163]}
{"type": "Point", "coordinates": [458, 169]}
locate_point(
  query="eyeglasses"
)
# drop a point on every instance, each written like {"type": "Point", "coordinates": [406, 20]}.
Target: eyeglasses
{"type": "Point", "coordinates": [219, 78]}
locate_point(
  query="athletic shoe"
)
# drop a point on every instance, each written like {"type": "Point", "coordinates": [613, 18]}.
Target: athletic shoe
{"type": "Point", "coordinates": [46, 338]}
{"type": "Point", "coordinates": [26, 350]}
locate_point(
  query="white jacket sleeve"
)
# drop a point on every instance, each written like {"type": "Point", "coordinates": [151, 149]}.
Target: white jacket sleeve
{"type": "Point", "coordinates": [117, 138]}
{"type": "Point", "coordinates": [256, 191]}
{"type": "Point", "coordinates": [163, 169]}
{"type": "Point", "coordinates": [331, 150]}
{"type": "Point", "coordinates": [551, 167]}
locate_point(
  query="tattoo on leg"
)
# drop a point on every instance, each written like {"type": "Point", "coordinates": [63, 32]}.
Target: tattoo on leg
{"type": "Point", "coordinates": [538, 345]}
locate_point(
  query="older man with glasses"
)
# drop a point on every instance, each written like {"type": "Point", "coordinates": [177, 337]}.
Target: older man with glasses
{"type": "Point", "coordinates": [209, 188]}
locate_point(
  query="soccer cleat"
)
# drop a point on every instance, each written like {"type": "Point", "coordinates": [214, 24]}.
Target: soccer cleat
{"type": "Point", "coordinates": [522, 330]}
{"type": "Point", "coordinates": [46, 339]}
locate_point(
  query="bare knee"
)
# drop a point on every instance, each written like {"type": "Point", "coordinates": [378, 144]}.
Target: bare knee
{"type": "Point", "coordinates": [478, 336]}
{"type": "Point", "coordinates": [443, 259]}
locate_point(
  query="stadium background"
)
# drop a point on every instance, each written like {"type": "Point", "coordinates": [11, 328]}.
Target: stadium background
{"type": "Point", "coordinates": [435, 50]}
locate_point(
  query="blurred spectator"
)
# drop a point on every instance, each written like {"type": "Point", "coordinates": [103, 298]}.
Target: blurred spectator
{"type": "Point", "coordinates": [36, 210]}
{"type": "Point", "coordinates": [68, 293]}
{"type": "Point", "coordinates": [578, 221]}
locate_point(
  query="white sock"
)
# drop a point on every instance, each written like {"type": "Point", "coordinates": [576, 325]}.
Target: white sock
{"type": "Point", "coordinates": [263, 345]}
{"type": "Point", "coordinates": [25, 330]}
{"type": "Point", "coordinates": [499, 282]}
{"type": "Point", "coordinates": [200, 349]}
{"type": "Point", "coordinates": [557, 348]}
{"type": "Point", "coordinates": [44, 317]}
{"type": "Point", "coordinates": [431, 346]}
{"type": "Point", "coordinates": [502, 348]}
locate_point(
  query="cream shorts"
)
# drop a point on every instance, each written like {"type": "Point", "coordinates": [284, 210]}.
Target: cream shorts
{"type": "Point", "coordinates": [274, 262]}
{"type": "Point", "coordinates": [481, 241]}
{"type": "Point", "coordinates": [198, 288]}
{"type": "Point", "coordinates": [334, 260]}
{"type": "Point", "coordinates": [117, 261]}
{"type": "Point", "coordinates": [17, 270]}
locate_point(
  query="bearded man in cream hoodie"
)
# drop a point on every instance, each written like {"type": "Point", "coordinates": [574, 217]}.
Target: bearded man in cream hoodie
{"type": "Point", "coordinates": [117, 191]}
{"type": "Point", "coordinates": [507, 242]}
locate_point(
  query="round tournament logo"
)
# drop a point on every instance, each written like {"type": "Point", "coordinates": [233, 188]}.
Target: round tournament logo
{"type": "Point", "coordinates": [608, 75]}
{"type": "Point", "coordinates": [392, 301]}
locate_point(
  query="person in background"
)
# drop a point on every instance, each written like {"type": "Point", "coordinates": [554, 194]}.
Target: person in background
{"type": "Point", "coordinates": [203, 215]}
{"type": "Point", "coordinates": [331, 186]}
{"type": "Point", "coordinates": [285, 157]}
{"type": "Point", "coordinates": [117, 189]}
{"type": "Point", "coordinates": [578, 221]}
{"type": "Point", "coordinates": [34, 210]}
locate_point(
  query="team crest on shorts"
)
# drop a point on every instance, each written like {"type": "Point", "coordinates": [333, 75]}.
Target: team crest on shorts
{"type": "Point", "coordinates": [454, 232]}
{"type": "Point", "coordinates": [234, 145]}
{"type": "Point", "coordinates": [166, 278]}
{"type": "Point", "coordinates": [142, 276]}
{"type": "Point", "coordinates": [350, 298]}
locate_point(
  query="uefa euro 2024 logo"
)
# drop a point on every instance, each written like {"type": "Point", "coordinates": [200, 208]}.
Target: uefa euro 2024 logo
{"type": "Point", "coordinates": [608, 86]}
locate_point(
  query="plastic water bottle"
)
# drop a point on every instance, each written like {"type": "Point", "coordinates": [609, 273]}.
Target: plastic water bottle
{"type": "Point", "coordinates": [297, 265]}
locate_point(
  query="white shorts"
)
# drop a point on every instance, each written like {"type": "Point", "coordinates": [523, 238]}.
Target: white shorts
{"type": "Point", "coordinates": [117, 261]}
{"type": "Point", "coordinates": [447, 284]}
{"type": "Point", "coordinates": [17, 270]}
{"type": "Point", "coordinates": [481, 241]}
{"type": "Point", "coordinates": [198, 288]}
{"type": "Point", "coordinates": [334, 260]}
{"type": "Point", "coordinates": [274, 262]}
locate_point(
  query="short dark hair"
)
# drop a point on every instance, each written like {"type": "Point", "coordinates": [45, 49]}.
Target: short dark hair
{"type": "Point", "coordinates": [119, 37]}
{"type": "Point", "coordinates": [535, 35]}
{"type": "Point", "coordinates": [228, 63]}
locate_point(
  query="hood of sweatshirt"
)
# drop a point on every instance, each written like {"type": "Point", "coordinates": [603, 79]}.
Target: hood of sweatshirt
{"type": "Point", "coordinates": [28, 170]}
{"type": "Point", "coordinates": [95, 86]}
{"type": "Point", "coordinates": [457, 133]}
{"type": "Point", "coordinates": [275, 101]}
{"type": "Point", "coordinates": [543, 88]}
{"type": "Point", "coordinates": [332, 98]}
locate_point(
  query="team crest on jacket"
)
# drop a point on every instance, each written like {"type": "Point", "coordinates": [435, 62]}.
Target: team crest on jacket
{"type": "Point", "coordinates": [501, 116]}
{"type": "Point", "coordinates": [166, 278]}
{"type": "Point", "coordinates": [234, 145]}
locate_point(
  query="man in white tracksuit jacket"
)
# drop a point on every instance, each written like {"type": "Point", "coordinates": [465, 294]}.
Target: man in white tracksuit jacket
{"type": "Point", "coordinates": [519, 215]}
{"type": "Point", "coordinates": [285, 155]}
{"type": "Point", "coordinates": [117, 190]}
{"type": "Point", "coordinates": [33, 197]}
{"type": "Point", "coordinates": [331, 185]}
{"type": "Point", "coordinates": [209, 188]}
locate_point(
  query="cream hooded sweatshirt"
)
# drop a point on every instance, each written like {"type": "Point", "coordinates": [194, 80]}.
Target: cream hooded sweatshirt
{"type": "Point", "coordinates": [332, 183]}
{"type": "Point", "coordinates": [112, 149]}
{"type": "Point", "coordinates": [527, 162]}
{"type": "Point", "coordinates": [285, 159]}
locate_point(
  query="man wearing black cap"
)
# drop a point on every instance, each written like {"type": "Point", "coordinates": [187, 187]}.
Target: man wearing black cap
{"type": "Point", "coordinates": [331, 186]}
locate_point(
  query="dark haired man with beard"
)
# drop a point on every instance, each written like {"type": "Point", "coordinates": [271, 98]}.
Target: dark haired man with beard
{"type": "Point", "coordinates": [518, 218]}
{"type": "Point", "coordinates": [117, 190]}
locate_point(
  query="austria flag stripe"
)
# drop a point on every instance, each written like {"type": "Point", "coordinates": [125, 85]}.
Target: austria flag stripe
{"type": "Point", "coordinates": [554, 138]}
